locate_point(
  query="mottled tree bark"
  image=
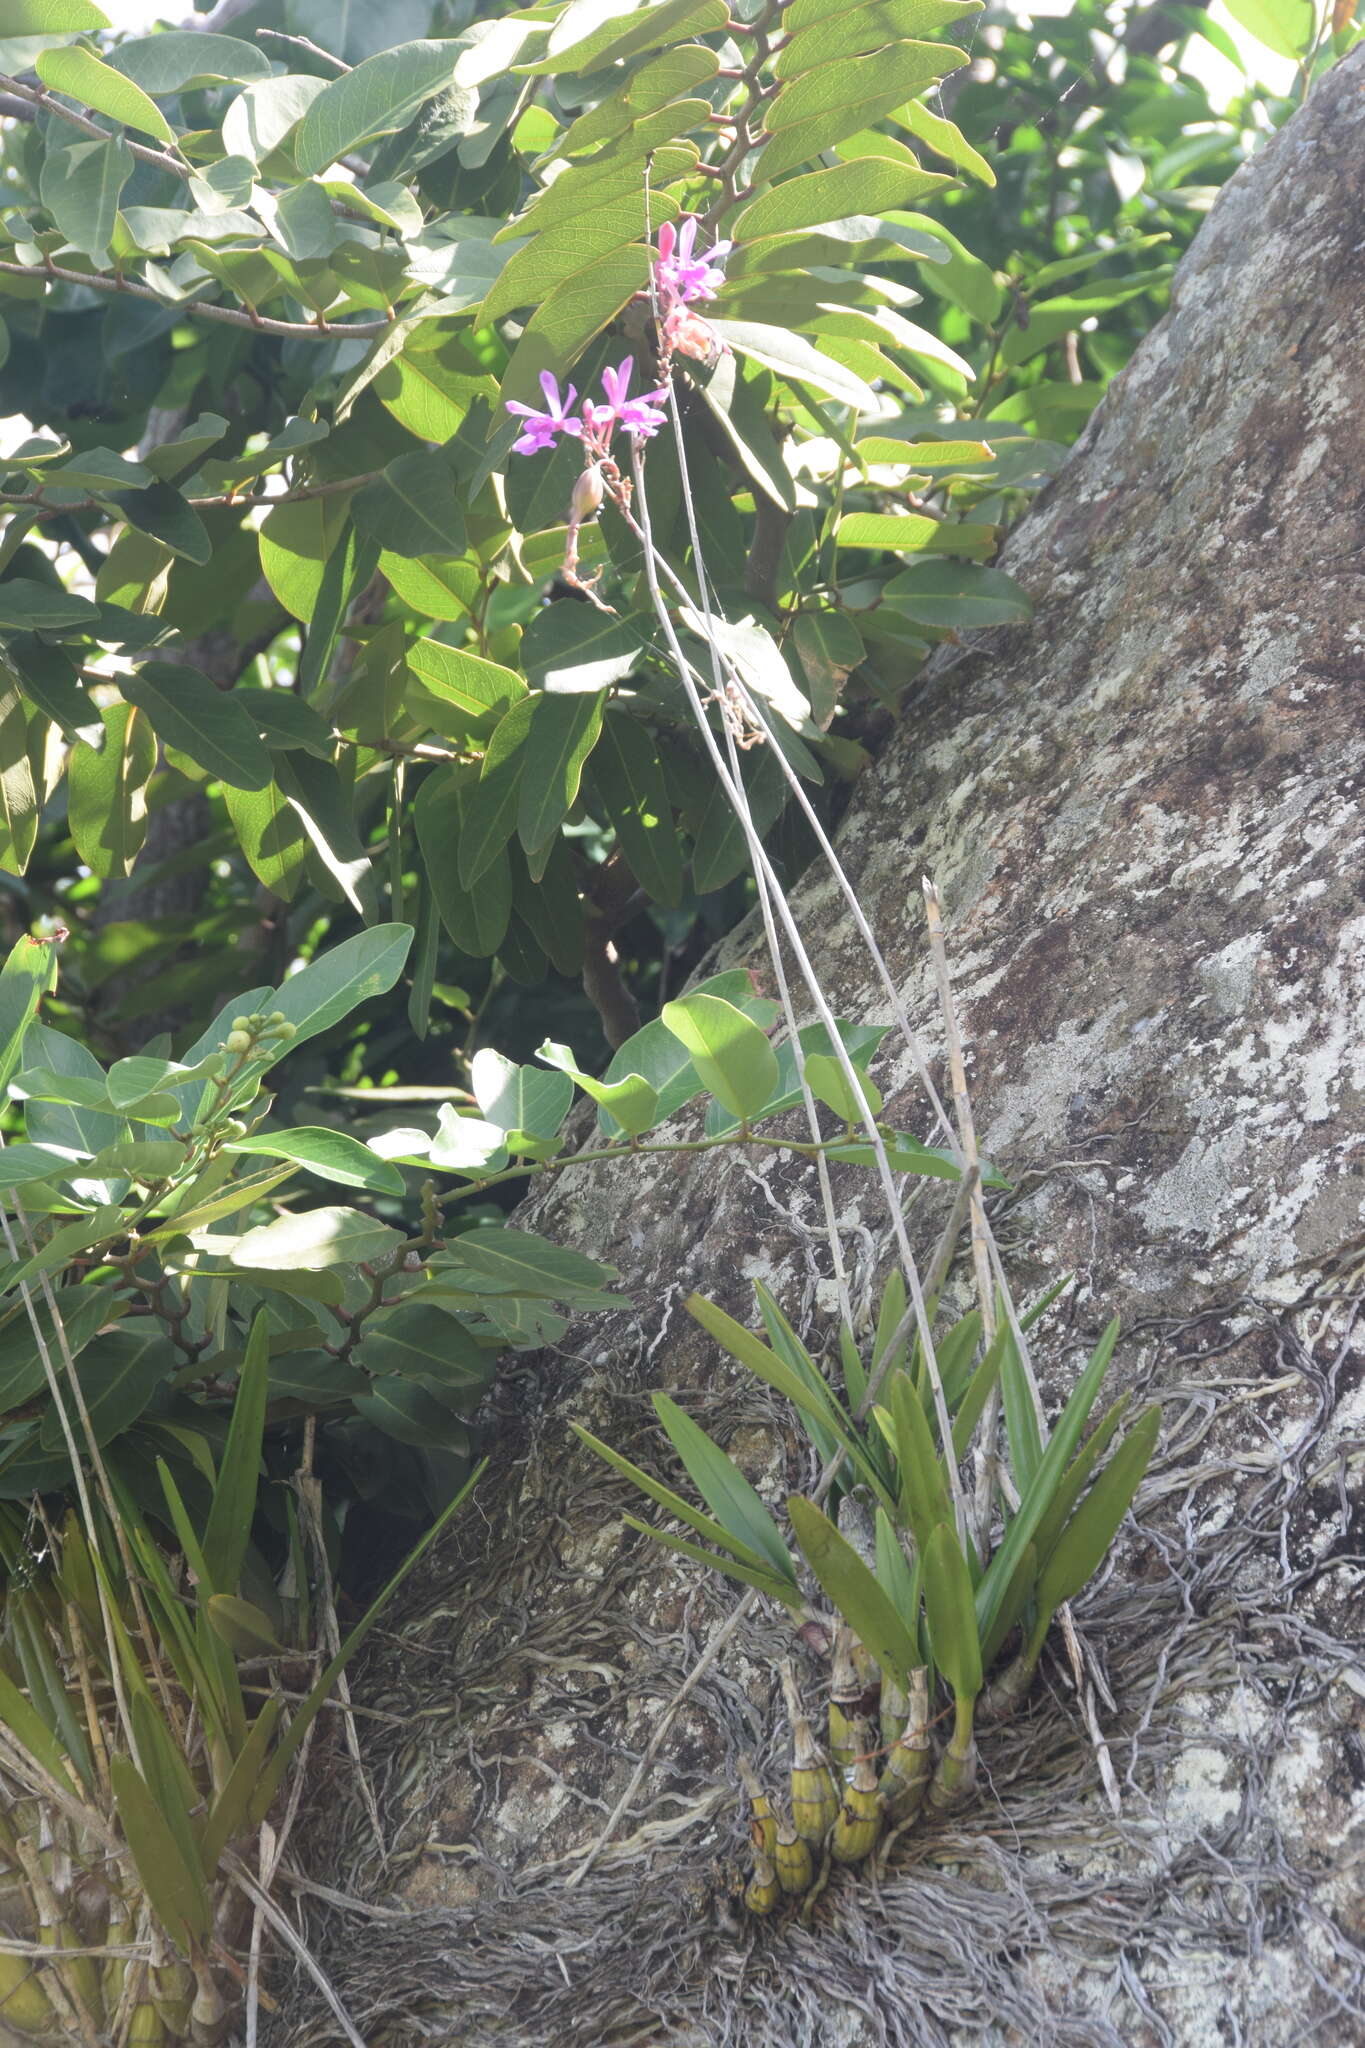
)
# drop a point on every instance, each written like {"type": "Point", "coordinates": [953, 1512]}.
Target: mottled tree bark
{"type": "Point", "coordinates": [1143, 814]}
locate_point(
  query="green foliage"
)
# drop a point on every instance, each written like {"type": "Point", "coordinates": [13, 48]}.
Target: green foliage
{"type": "Point", "coordinates": [939, 1590]}
{"type": "Point", "coordinates": [138, 1739]}
{"type": "Point", "coordinates": [355, 272]}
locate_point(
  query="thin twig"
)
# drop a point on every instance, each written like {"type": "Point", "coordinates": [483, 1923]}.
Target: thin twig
{"type": "Point", "coordinates": [204, 309]}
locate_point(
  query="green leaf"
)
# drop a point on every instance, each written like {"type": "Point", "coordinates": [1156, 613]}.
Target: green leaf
{"type": "Point", "coordinates": [49, 17]}
{"type": "Point", "coordinates": [43, 607]}
{"type": "Point", "coordinates": [315, 1239]}
{"type": "Point", "coordinates": [331, 1155]}
{"type": "Point", "coordinates": [924, 1498]}
{"type": "Point", "coordinates": [563, 733]}
{"type": "Point", "coordinates": [951, 1612]}
{"type": "Point", "coordinates": [107, 791]}
{"type": "Point", "coordinates": [847, 30]}
{"type": "Point", "coordinates": [430, 384]}
{"type": "Point", "coordinates": [227, 1816]}
{"type": "Point", "coordinates": [860, 1040]}
{"type": "Point", "coordinates": [656, 1054]}
{"type": "Point", "coordinates": [1066, 1434]}
{"type": "Point", "coordinates": [576, 310]}
{"type": "Point", "coordinates": [321, 796]}
{"type": "Point", "coordinates": [330, 987]}
{"type": "Point", "coordinates": [178, 61]}
{"type": "Point", "coordinates": [435, 587]}
{"type": "Point", "coordinates": [730, 1052]}
{"type": "Point", "coordinates": [20, 1163]}
{"type": "Point", "coordinates": [609, 175]}
{"type": "Point", "coordinates": [1077, 1477]}
{"type": "Point", "coordinates": [630, 1102]}
{"type": "Point", "coordinates": [266, 113]}
{"type": "Point", "coordinates": [628, 777]}
{"type": "Point", "coordinates": [242, 1626]}
{"type": "Point", "coordinates": [900, 1585]}
{"type": "Point", "coordinates": [412, 509]}
{"type": "Point", "coordinates": [488, 807]}
{"type": "Point", "coordinates": [480, 691]}
{"type": "Point", "coordinates": [283, 722]}
{"type": "Point", "coordinates": [417, 1340]}
{"type": "Point", "coordinates": [208, 724]}
{"type": "Point", "coordinates": [728, 1494]}
{"type": "Point", "coordinates": [49, 679]}
{"type": "Point", "coordinates": [569, 648]}
{"type": "Point", "coordinates": [176, 1891]}
{"type": "Point", "coordinates": [906, 1154]}
{"type": "Point", "coordinates": [871, 185]}
{"type": "Point", "coordinates": [829, 1085]}
{"type": "Point", "coordinates": [1284, 26]}
{"type": "Point", "coordinates": [589, 35]}
{"type": "Point", "coordinates": [271, 835]}
{"type": "Point", "coordinates": [377, 98]}
{"type": "Point", "coordinates": [797, 360]}
{"type": "Point", "coordinates": [76, 1111]}
{"type": "Point", "coordinates": [80, 185]}
{"type": "Point", "coordinates": [83, 77]}
{"type": "Point", "coordinates": [503, 1260]}
{"type": "Point", "coordinates": [1052, 318]}
{"type": "Point", "coordinates": [20, 797]}
{"type": "Point", "coordinates": [29, 973]}
{"type": "Point", "coordinates": [854, 1591]}
{"type": "Point", "coordinates": [296, 540]}
{"type": "Point", "coordinates": [161, 512]}
{"type": "Point", "coordinates": [1021, 1417]}
{"type": "Point", "coordinates": [1084, 1543]}
{"type": "Point", "coordinates": [944, 139]}
{"type": "Point", "coordinates": [521, 1099]}
{"type": "Point", "coordinates": [815, 1401]}
{"type": "Point", "coordinates": [760, 663]}
{"type": "Point", "coordinates": [477, 916]}
{"type": "Point", "coordinates": [911, 533]}
{"type": "Point", "coordinates": [412, 1413]}
{"type": "Point", "coordinates": [733, 1567]}
{"type": "Point", "coordinates": [119, 1373]}
{"type": "Point", "coordinates": [835, 99]}
{"type": "Point", "coordinates": [958, 595]}
{"type": "Point", "coordinates": [664, 1497]}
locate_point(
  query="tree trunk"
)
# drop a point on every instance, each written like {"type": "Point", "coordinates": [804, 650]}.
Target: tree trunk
{"type": "Point", "coordinates": [1142, 814]}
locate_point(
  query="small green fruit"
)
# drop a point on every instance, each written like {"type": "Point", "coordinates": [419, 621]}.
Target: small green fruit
{"type": "Point", "coordinates": [237, 1041]}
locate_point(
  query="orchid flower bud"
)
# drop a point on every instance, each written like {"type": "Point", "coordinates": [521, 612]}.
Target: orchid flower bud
{"type": "Point", "coordinates": [588, 492]}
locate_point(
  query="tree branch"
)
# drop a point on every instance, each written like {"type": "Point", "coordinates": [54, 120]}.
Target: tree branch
{"type": "Point", "coordinates": [293, 330]}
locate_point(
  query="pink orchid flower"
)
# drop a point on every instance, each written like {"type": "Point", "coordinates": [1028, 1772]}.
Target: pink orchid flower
{"type": "Point", "coordinates": [542, 427]}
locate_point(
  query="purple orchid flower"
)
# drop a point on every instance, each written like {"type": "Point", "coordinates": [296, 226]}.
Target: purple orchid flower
{"type": "Point", "coordinates": [636, 415]}
{"type": "Point", "coordinates": [542, 427]}
{"type": "Point", "coordinates": [679, 274]}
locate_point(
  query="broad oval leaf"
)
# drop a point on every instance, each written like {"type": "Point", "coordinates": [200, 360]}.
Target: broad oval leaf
{"type": "Point", "coordinates": [356, 971]}
{"type": "Point", "coordinates": [729, 1051]}
{"type": "Point", "coordinates": [83, 77]}
{"type": "Point", "coordinates": [331, 1155]}
{"type": "Point", "coordinates": [208, 724]}
{"type": "Point", "coordinates": [313, 1239]}
{"type": "Point", "coordinates": [377, 98]}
